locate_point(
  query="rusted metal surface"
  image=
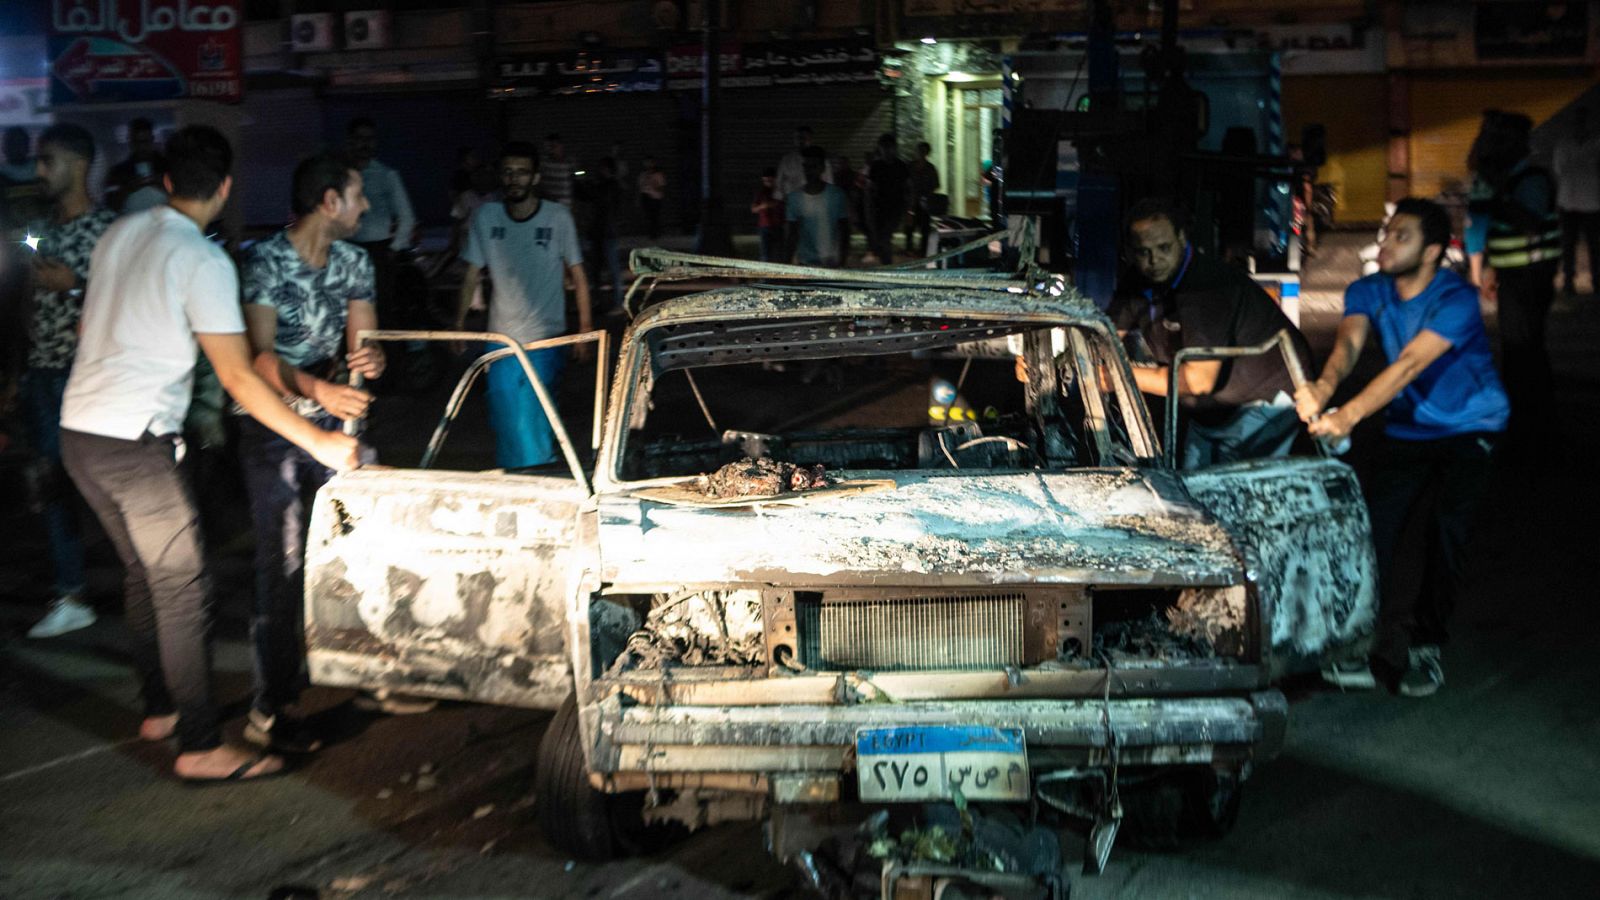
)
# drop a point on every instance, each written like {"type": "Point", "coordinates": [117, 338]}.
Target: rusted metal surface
{"type": "Point", "coordinates": [450, 584]}
{"type": "Point", "coordinates": [1302, 528]}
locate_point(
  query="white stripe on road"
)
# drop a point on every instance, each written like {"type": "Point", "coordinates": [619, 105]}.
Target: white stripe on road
{"type": "Point", "coordinates": [71, 757]}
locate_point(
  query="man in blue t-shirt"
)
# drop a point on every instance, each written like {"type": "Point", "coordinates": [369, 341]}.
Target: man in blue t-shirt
{"type": "Point", "coordinates": [529, 247]}
{"type": "Point", "coordinates": [1446, 412]}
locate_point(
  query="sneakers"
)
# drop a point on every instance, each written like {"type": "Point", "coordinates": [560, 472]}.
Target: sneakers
{"type": "Point", "coordinates": [1352, 675]}
{"type": "Point", "coordinates": [386, 701]}
{"type": "Point", "coordinates": [280, 732]}
{"type": "Point", "coordinates": [1425, 675]}
{"type": "Point", "coordinates": [66, 614]}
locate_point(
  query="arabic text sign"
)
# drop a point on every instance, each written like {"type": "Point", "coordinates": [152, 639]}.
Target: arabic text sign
{"type": "Point", "coordinates": [794, 62]}
{"type": "Point", "coordinates": [131, 50]}
{"type": "Point", "coordinates": [932, 762]}
{"type": "Point", "coordinates": [584, 72]}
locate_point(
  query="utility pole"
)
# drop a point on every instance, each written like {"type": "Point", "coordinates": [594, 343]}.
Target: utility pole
{"type": "Point", "coordinates": [713, 237]}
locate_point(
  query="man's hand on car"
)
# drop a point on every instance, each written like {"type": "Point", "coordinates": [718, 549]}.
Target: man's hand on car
{"type": "Point", "coordinates": [1334, 427]}
{"type": "Point", "coordinates": [339, 452]}
{"type": "Point", "coordinates": [1310, 399]}
{"type": "Point", "coordinates": [368, 362]}
{"type": "Point", "coordinates": [341, 400]}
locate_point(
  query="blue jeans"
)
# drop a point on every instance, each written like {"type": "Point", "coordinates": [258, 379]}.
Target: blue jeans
{"type": "Point", "coordinates": [522, 434]}
{"type": "Point", "coordinates": [1253, 432]}
{"type": "Point", "coordinates": [280, 478]}
{"type": "Point", "coordinates": [770, 238]}
{"type": "Point", "coordinates": [41, 393]}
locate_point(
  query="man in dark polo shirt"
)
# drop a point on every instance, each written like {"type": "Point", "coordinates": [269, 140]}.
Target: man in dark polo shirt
{"type": "Point", "coordinates": [1236, 409]}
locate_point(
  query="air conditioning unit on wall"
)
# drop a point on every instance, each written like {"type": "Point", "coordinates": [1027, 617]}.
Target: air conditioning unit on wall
{"type": "Point", "coordinates": [311, 32]}
{"type": "Point", "coordinates": [366, 29]}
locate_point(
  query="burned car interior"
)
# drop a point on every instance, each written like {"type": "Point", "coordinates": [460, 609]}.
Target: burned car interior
{"type": "Point", "coordinates": [848, 394]}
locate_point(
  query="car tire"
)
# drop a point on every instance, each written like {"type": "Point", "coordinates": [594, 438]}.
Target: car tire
{"type": "Point", "coordinates": [576, 818]}
{"type": "Point", "coordinates": [1211, 803]}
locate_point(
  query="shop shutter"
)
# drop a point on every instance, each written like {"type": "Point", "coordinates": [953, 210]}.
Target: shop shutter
{"type": "Point", "coordinates": [1353, 107]}
{"type": "Point", "coordinates": [660, 124]}
{"type": "Point", "coordinates": [419, 134]}
{"type": "Point", "coordinates": [759, 123]}
{"type": "Point", "coordinates": [1447, 109]}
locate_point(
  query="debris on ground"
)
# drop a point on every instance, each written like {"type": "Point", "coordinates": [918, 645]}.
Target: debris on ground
{"type": "Point", "coordinates": [426, 783]}
{"type": "Point", "coordinates": [701, 628]}
{"type": "Point", "coordinates": [761, 478]}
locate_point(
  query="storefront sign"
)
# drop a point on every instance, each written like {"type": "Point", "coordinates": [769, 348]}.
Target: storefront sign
{"type": "Point", "coordinates": [137, 50]}
{"type": "Point", "coordinates": [583, 72]}
{"type": "Point", "coordinates": [23, 101]}
{"type": "Point", "coordinates": [1533, 31]}
{"type": "Point", "coordinates": [1324, 49]}
{"type": "Point", "coordinates": [850, 61]}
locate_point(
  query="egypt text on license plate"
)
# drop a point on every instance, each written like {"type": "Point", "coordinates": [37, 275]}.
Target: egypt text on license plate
{"type": "Point", "coordinates": [929, 762]}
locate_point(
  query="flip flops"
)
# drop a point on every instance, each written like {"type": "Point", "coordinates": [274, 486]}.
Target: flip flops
{"type": "Point", "coordinates": [238, 775]}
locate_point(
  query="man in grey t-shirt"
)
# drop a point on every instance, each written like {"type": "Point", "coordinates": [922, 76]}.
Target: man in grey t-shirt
{"type": "Point", "coordinates": [529, 247]}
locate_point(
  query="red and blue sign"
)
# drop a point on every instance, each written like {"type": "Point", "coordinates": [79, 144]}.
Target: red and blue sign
{"type": "Point", "coordinates": [120, 51]}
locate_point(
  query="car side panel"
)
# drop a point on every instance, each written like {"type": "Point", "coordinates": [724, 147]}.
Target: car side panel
{"type": "Point", "coordinates": [1302, 527]}
{"type": "Point", "coordinates": [442, 584]}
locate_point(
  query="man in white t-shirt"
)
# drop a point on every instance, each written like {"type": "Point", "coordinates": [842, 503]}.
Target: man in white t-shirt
{"type": "Point", "coordinates": [818, 216]}
{"type": "Point", "coordinates": [158, 292]}
{"type": "Point", "coordinates": [529, 247]}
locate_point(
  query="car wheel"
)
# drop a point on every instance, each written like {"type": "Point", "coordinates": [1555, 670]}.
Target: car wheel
{"type": "Point", "coordinates": [1211, 803]}
{"type": "Point", "coordinates": [574, 817]}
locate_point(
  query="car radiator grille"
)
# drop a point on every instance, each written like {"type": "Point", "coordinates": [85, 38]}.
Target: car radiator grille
{"type": "Point", "coordinates": [977, 631]}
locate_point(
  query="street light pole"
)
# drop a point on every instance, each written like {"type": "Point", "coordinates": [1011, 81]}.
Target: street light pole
{"type": "Point", "coordinates": [713, 237]}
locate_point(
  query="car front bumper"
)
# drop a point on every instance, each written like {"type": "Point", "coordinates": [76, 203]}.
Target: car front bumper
{"type": "Point", "coordinates": [772, 740]}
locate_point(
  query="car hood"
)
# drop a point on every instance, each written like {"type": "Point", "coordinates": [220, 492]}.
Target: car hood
{"type": "Point", "coordinates": [1104, 526]}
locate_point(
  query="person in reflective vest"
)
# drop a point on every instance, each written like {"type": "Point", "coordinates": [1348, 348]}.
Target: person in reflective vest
{"type": "Point", "coordinates": [1521, 252]}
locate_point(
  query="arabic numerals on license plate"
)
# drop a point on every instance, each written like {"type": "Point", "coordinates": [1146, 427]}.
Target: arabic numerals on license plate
{"type": "Point", "coordinates": [938, 762]}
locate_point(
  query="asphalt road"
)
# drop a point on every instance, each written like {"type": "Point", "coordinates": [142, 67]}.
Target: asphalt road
{"type": "Point", "coordinates": [1487, 790]}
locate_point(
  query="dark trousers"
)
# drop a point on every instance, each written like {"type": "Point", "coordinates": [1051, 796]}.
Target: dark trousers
{"type": "Point", "coordinates": [920, 223]}
{"type": "Point", "coordinates": [384, 265]}
{"type": "Point", "coordinates": [280, 479]}
{"type": "Point", "coordinates": [652, 215]}
{"type": "Point", "coordinates": [145, 505]}
{"type": "Point", "coordinates": [1422, 497]}
{"type": "Point", "coordinates": [1572, 224]}
{"type": "Point", "coordinates": [881, 236]}
{"type": "Point", "coordinates": [770, 241]}
{"type": "Point", "coordinates": [1525, 297]}
{"type": "Point", "coordinates": [50, 489]}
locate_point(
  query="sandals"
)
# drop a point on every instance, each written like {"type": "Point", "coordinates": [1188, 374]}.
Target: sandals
{"type": "Point", "coordinates": [237, 775]}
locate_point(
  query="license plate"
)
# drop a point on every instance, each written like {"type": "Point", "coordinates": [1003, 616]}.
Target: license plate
{"type": "Point", "coordinates": [930, 762]}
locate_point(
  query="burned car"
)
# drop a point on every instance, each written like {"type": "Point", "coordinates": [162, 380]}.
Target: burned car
{"type": "Point", "coordinates": [886, 538]}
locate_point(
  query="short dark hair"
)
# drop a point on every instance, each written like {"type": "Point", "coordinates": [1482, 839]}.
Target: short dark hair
{"type": "Point", "coordinates": [199, 158]}
{"type": "Point", "coordinates": [553, 136]}
{"type": "Point", "coordinates": [1433, 218]}
{"type": "Point", "coordinates": [140, 124]}
{"type": "Point", "coordinates": [315, 177]}
{"type": "Point", "coordinates": [816, 153]}
{"type": "Point", "coordinates": [74, 139]}
{"type": "Point", "coordinates": [1159, 208]}
{"type": "Point", "coordinates": [521, 150]}
{"type": "Point", "coordinates": [769, 172]}
{"type": "Point", "coordinates": [360, 122]}
{"type": "Point", "coordinates": [17, 144]}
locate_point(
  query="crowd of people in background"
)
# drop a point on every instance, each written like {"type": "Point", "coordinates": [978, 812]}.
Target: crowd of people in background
{"type": "Point", "coordinates": [109, 308]}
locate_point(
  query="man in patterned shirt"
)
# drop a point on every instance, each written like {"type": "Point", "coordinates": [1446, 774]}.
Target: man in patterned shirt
{"type": "Point", "coordinates": [60, 271]}
{"type": "Point", "coordinates": [307, 293]}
